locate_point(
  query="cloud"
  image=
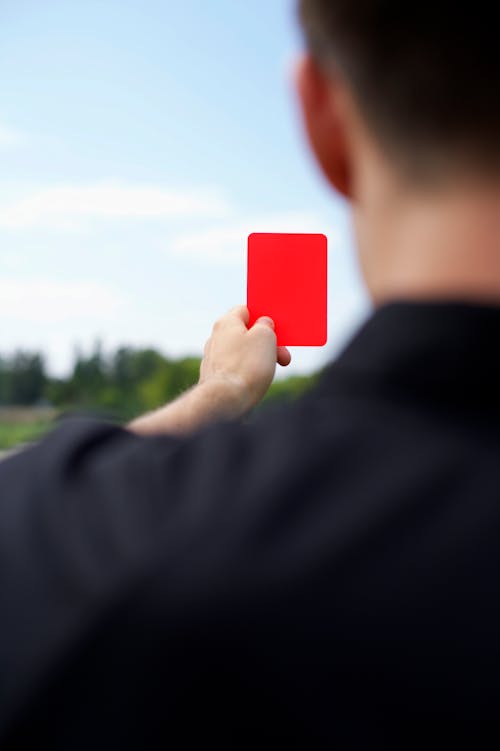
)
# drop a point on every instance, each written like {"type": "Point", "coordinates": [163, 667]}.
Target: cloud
{"type": "Point", "coordinates": [226, 243]}
{"type": "Point", "coordinates": [64, 207]}
{"type": "Point", "coordinates": [9, 137]}
{"type": "Point", "coordinates": [42, 300]}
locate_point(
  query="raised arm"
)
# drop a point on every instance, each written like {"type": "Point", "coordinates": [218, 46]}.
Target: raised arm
{"type": "Point", "coordinates": [236, 371]}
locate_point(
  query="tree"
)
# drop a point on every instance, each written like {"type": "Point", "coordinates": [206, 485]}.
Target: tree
{"type": "Point", "coordinates": [22, 379]}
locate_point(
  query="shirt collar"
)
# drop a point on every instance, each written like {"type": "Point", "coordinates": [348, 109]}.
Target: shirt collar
{"type": "Point", "coordinates": [445, 349]}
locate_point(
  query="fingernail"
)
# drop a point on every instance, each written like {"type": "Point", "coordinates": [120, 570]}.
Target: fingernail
{"type": "Point", "coordinates": [266, 319]}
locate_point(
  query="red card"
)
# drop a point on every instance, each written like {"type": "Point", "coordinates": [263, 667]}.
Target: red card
{"type": "Point", "coordinates": [287, 280]}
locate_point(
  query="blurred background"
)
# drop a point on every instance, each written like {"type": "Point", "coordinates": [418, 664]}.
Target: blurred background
{"type": "Point", "coordinates": [141, 141]}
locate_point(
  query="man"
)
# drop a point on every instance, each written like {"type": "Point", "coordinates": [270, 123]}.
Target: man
{"type": "Point", "coordinates": [327, 575]}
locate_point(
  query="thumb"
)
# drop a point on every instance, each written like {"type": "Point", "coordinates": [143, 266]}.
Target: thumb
{"type": "Point", "coordinates": [266, 321]}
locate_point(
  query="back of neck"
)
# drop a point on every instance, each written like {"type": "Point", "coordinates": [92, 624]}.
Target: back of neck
{"type": "Point", "coordinates": [440, 244]}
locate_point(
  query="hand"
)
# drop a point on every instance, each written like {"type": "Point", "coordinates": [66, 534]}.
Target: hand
{"type": "Point", "coordinates": [243, 359]}
{"type": "Point", "coordinates": [237, 369]}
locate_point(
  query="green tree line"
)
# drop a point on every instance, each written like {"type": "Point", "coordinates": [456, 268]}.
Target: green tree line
{"type": "Point", "coordinates": [120, 384]}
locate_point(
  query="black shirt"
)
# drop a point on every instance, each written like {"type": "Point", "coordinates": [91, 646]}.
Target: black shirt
{"type": "Point", "coordinates": [324, 576]}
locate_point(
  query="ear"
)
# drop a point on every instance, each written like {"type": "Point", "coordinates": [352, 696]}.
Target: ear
{"type": "Point", "coordinates": [320, 98]}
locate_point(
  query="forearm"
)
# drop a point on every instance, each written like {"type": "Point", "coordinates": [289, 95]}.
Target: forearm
{"type": "Point", "coordinates": [202, 404]}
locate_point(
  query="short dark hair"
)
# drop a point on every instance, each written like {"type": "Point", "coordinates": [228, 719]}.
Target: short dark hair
{"type": "Point", "coordinates": [425, 75]}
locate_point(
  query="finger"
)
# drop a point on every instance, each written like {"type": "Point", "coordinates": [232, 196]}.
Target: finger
{"type": "Point", "coordinates": [237, 316]}
{"type": "Point", "coordinates": [284, 357]}
{"type": "Point", "coordinates": [241, 313]}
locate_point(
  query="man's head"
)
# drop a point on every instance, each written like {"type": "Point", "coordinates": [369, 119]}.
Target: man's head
{"type": "Point", "coordinates": [401, 93]}
{"type": "Point", "coordinates": [425, 76]}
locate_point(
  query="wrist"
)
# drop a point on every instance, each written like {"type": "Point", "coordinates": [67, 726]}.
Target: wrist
{"type": "Point", "coordinates": [214, 398]}
{"type": "Point", "coordinates": [227, 394]}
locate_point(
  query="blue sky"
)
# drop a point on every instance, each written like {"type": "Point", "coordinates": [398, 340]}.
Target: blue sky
{"type": "Point", "coordinates": [140, 143]}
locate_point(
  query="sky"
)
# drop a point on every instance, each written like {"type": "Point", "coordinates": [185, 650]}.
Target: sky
{"type": "Point", "coordinates": [141, 141]}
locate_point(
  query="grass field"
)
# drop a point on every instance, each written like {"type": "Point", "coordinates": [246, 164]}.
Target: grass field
{"type": "Point", "coordinates": [22, 425]}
